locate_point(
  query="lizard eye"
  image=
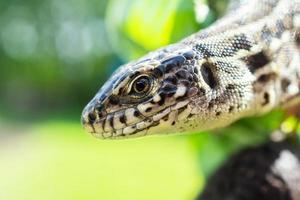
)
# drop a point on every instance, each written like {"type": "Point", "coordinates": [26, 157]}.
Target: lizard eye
{"type": "Point", "coordinates": [141, 85]}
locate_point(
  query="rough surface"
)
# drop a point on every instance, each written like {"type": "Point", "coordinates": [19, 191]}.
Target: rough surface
{"type": "Point", "coordinates": [267, 172]}
{"type": "Point", "coordinates": [245, 64]}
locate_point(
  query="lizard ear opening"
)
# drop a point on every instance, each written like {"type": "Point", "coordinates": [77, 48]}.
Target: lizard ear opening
{"type": "Point", "coordinates": [208, 75]}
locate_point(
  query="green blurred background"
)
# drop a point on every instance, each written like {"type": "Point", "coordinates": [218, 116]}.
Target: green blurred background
{"type": "Point", "coordinates": [54, 56]}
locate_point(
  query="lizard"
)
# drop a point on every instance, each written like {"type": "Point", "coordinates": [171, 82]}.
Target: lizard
{"type": "Point", "coordinates": [245, 64]}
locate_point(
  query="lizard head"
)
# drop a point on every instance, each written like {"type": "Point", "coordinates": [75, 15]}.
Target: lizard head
{"type": "Point", "coordinates": [175, 89]}
{"type": "Point", "coordinates": [146, 96]}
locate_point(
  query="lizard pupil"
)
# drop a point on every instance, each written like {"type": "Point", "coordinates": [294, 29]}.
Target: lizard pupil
{"type": "Point", "coordinates": [141, 85]}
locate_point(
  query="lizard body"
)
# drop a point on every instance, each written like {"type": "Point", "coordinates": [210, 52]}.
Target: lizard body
{"type": "Point", "coordinates": [245, 64]}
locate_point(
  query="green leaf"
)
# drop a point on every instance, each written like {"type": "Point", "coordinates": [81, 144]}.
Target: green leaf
{"type": "Point", "coordinates": [137, 27]}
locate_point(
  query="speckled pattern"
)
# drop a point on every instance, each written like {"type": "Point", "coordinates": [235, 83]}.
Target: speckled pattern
{"type": "Point", "coordinates": [245, 64]}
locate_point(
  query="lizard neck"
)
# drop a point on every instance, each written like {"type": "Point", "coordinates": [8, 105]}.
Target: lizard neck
{"type": "Point", "coordinates": [266, 42]}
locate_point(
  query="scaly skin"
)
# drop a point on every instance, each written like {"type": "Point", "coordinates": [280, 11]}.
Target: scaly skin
{"type": "Point", "coordinates": [246, 64]}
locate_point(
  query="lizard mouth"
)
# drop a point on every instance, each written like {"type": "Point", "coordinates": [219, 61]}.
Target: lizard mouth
{"type": "Point", "coordinates": [130, 123]}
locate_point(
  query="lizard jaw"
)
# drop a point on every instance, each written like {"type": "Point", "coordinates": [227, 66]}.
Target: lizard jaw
{"type": "Point", "coordinates": [131, 122]}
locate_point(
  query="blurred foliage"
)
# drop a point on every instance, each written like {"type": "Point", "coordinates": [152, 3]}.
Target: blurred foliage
{"type": "Point", "coordinates": [54, 56]}
{"type": "Point", "coordinates": [147, 25]}
{"type": "Point", "coordinates": [55, 160]}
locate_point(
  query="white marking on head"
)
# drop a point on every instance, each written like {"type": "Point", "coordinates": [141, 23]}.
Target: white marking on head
{"type": "Point", "coordinates": [144, 124]}
{"type": "Point", "coordinates": [143, 107]}
{"type": "Point", "coordinates": [160, 115]}
{"type": "Point", "coordinates": [156, 98]}
{"type": "Point", "coordinates": [130, 118]}
{"type": "Point", "coordinates": [181, 90]}
{"type": "Point", "coordinates": [128, 130]}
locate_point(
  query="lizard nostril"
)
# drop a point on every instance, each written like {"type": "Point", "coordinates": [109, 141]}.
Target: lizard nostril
{"type": "Point", "coordinates": [99, 108]}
